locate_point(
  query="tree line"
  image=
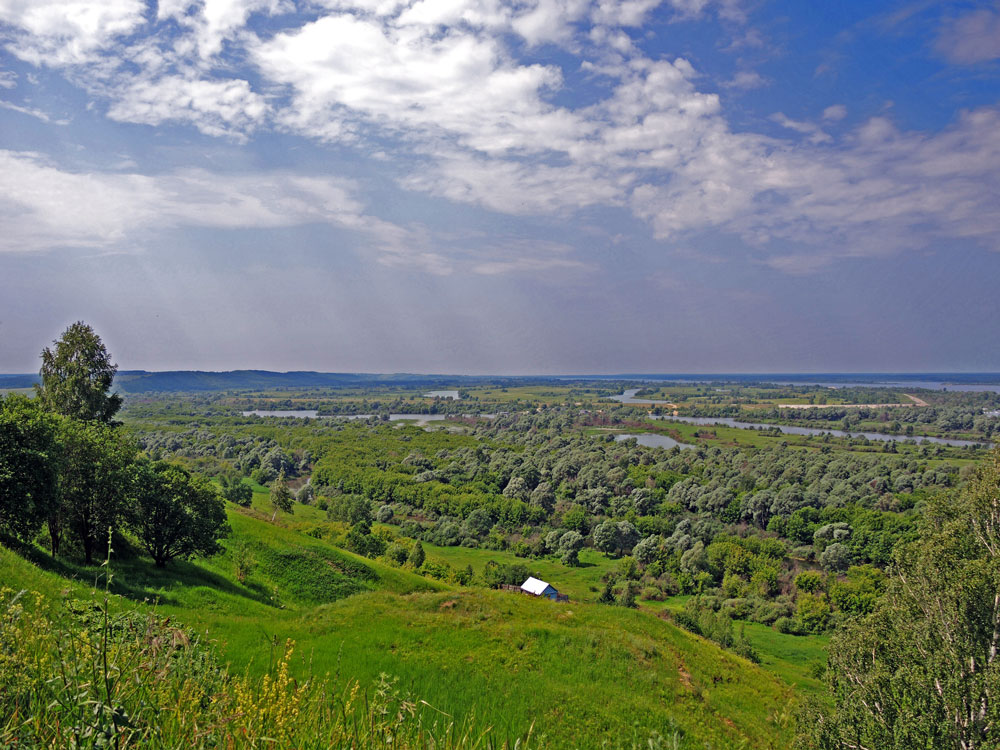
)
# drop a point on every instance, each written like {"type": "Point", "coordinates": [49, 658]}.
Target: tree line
{"type": "Point", "coordinates": [67, 466]}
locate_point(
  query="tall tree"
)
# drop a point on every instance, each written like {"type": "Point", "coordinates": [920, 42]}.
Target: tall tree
{"type": "Point", "coordinates": [77, 375]}
{"type": "Point", "coordinates": [93, 484]}
{"type": "Point", "coordinates": [281, 497]}
{"type": "Point", "coordinates": [922, 669]}
{"type": "Point", "coordinates": [29, 462]}
{"type": "Point", "coordinates": [175, 514]}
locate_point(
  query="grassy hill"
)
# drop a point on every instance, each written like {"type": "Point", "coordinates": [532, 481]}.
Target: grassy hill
{"type": "Point", "coordinates": [572, 675]}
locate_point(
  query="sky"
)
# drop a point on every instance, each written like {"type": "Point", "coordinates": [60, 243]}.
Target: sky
{"type": "Point", "coordinates": [490, 187]}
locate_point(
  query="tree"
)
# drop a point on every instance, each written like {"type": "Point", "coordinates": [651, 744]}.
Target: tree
{"type": "Point", "coordinates": [416, 557]}
{"type": "Point", "coordinates": [922, 670]}
{"type": "Point", "coordinates": [235, 490]}
{"type": "Point", "coordinates": [836, 557]}
{"type": "Point", "coordinates": [647, 550]}
{"type": "Point", "coordinates": [93, 484]}
{"type": "Point", "coordinates": [77, 376]}
{"type": "Point", "coordinates": [174, 514]}
{"type": "Point", "coordinates": [570, 545]}
{"type": "Point", "coordinates": [606, 537]}
{"type": "Point", "coordinates": [281, 496]}
{"type": "Point", "coordinates": [29, 464]}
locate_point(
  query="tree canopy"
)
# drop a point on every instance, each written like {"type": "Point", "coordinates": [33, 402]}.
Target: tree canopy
{"type": "Point", "coordinates": [921, 670]}
{"type": "Point", "coordinates": [77, 375]}
{"type": "Point", "coordinates": [175, 514]}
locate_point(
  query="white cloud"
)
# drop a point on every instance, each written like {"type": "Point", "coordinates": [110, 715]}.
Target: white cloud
{"type": "Point", "coordinates": [746, 79]}
{"type": "Point", "coordinates": [36, 113]}
{"type": "Point", "coordinates": [413, 82]}
{"type": "Point", "coordinates": [214, 107]}
{"type": "Point", "coordinates": [439, 84]}
{"type": "Point", "coordinates": [44, 206]}
{"type": "Point", "coordinates": [624, 12]}
{"type": "Point", "coordinates": [8, 79]}
{"type": "Point", "coordinates": [971, 38]}
{"type": "Point", "coordinates": [835, 112]}
{"type": "Point", "coordinates": [887, 191]}
{"type": "Point", "coordinates": [63, 32]}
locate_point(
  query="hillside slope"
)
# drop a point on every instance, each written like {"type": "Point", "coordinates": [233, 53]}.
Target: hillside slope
{"type": "Point", "coordinates": [579, 674]}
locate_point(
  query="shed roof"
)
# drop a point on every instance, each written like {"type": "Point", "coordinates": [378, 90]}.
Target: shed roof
{"type": "Point", "coordinates": [536, 587]}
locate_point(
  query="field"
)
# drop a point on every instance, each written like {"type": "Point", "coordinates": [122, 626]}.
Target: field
{"type": "Point", "coordinates": [574, 671]}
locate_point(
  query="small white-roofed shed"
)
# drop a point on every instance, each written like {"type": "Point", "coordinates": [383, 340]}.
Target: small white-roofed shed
{"type": "Point", "coordinates": [539, 588]}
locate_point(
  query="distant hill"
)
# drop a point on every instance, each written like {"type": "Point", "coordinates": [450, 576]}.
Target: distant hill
{"type": "Point", "coordinates": [141, 381]}
{"type": "Point", "coordinates": [18, 381]}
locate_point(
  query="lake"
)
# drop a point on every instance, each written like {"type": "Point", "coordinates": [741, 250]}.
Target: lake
{"type": "Point", "coordinates": [652, 440]}
{"type": "Point", "coordinates": [299, 413]}
{"type": "Point", "coordinates": [442, 394]}
{"type": "Point", "coordinates": [313, 414]}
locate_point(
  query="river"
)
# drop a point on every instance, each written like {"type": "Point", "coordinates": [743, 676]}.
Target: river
{"type": "Point", "coordinates": [628, 397]}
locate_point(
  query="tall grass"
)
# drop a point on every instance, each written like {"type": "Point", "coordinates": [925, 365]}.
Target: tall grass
{"type": "Point", "coordinates": [75, 675]}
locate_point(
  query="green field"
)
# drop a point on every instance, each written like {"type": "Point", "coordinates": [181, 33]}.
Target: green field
{"type": "Point", "coordinates": [575, 671]}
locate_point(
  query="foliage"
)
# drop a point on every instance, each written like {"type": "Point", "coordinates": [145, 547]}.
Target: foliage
{"type": "Point", "coordinates": [93, 484]}
{"type": "Point", "coordinates": [921, 670]}
{"type": "Point", "coordinates": [235, 490]}
{"type": "Point", "coordinates": [174, 514]}
{"type": "Point", "coordinates": [29, 466]}
{"type": "Point", "coordinates": [280, 496]}
{"type": "Point", "coordinates": [77, 376]}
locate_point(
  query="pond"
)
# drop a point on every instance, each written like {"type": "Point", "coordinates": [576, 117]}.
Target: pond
{"type": "Point", "coordinates": [652, 440]}
{"type": "Point", "coordinates": [298, 413]}
{"type": "Point", "coordinates": [442, 394]}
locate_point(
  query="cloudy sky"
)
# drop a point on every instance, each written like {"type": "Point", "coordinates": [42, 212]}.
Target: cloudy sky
{"type": "Point", "coordinates": [491, 186]}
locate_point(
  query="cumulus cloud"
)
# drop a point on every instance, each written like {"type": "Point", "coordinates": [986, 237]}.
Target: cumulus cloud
{"type": "Point", "coordinates": [45, 206]}
{"type": "Point", "coordinates": [973, 37]}
{"type": "Point", "coordinates": [214, 107]}
{"type": "Point", "coordinates": [887, 191]}
{"type": "Point", "coordinates": [441, 84]}
{"type": "Point", "coordinates": [64, 32]}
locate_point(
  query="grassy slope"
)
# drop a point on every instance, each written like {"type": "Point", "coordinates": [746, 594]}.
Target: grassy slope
{"type": "Point", "coordinates": [578, 671]}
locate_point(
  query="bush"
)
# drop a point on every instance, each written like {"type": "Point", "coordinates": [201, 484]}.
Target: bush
{"type": "Point", "coordinates": [789, 626]}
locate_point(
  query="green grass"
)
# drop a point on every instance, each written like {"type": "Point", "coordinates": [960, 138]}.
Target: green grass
{"type": "Point", "coordinates": [582, 583]}
{"type": "Point", "coordinates": [580, 672]}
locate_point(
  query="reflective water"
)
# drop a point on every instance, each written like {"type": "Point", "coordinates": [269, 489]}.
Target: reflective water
{"type": "Point", "coordinates": [788, 430]}
{"type": "Point", "coordinates": [651, 440]}
{"type": "Point", "coordinates": [299, 413]}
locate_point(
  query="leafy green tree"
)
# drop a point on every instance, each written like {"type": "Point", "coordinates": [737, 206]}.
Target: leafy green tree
{"type": "Point", "coordinates": [281, 497]}
{"type": "Point", "coordinates": [627, 593]}
{"type": "Point", "coordinates": [235, 490]}
{"type": "Point", "coordinates": [647, 550]}
{"type": "Point", "coordinates": [244, 560]}
{"type": "Point", "coordinates": [77, 376]}
{"type": "Point", "coordinates": [606, 537]}
{"type": "Point", "coordinates": [921, 671]}
{"type": "Point", "coordinates": [836, 557]}
{"type": "Point", "coordinates": [93, 484]}
{"type": "Point", "coordinates": [29, 465]}
{"type": "Point", "coordinates": [417, 556]}
{"type": "Point", "coordinates": [570, 545]}
{"type": "Point", "coordinates": [174, 514]}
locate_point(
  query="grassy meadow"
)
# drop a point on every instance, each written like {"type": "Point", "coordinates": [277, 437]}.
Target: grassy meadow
{"type": "Point", "coordinates": [567, 672]}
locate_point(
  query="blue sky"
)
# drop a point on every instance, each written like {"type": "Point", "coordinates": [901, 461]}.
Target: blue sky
{"type": "Point", "coordinates": [478, 186]}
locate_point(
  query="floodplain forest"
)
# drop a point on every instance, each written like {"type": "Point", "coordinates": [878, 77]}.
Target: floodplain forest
{"type": "Point", "coordinates": [194, 562]}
